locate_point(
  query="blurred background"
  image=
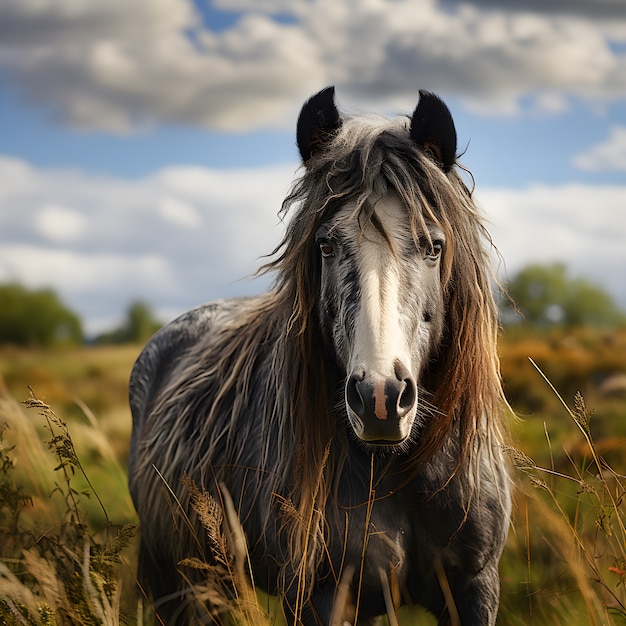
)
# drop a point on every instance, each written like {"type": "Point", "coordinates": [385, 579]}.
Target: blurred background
{"type": "Point", "coordinates": [146, 147]}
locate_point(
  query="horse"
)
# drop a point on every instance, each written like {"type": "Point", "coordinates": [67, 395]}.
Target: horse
{"type": "Point", "coordinates": [354, 412]}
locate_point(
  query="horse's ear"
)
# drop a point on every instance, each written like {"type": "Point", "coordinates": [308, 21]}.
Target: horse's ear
{"type": "Point", "coordinates": [432, 128]}
{"type": "Point", "coordinates": [319, 120]}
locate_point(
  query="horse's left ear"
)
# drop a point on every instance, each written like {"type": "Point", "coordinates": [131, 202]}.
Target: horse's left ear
{"type": "Point", "coordinates": [319, 120]}
{"type": "Point", "coordinates": [432, 128]}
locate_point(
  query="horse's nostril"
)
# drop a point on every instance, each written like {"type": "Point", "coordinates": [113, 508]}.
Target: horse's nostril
{"type": "Point", "coordinates": [353, 395]}
{"type": "Point", "coordinates": [407, 397]}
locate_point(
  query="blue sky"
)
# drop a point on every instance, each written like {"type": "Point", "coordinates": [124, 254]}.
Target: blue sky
{"type": "Point", "coordinates": [145, 147]}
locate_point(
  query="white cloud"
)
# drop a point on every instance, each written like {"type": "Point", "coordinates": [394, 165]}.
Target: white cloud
{"type": "Point", "coordinates": [609, 155]}
{"type": "Point", "coordinates": [580, 225]}
{"type": "Point", "coordinates": [59, 224]}
{"type": "Point", "coordinates": [178, 212]}
{"type": "Point", "coordinates": [217, 224]}
{"type": "Point", "coordinates": [79, 273]}
{"type": "Point", "coordinates": [176, 238]}
{"type": "Point", "coordinates": [118, 65]}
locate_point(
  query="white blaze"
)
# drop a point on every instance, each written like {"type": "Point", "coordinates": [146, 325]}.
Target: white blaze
{"type": "Point", "coordinates": [379, 340]}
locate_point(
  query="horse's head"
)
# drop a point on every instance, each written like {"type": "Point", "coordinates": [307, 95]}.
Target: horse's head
{"type": "Point", "coordinates": [380, 255]}
{"type": "Point", "coordinates": [381, 305]}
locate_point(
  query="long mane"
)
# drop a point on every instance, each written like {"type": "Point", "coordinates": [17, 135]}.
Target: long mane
{"type": "Point", "coordinates": [276, 340]}
{"type": "Point", "coordinates": [369, 156]}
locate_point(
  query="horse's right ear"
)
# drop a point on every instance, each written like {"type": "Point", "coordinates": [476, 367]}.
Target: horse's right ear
{"type": "Point", "coordinates": [318, 121]}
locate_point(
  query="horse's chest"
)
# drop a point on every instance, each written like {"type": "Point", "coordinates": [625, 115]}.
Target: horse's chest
{"type": "Point", "coordinates": [373, 541]}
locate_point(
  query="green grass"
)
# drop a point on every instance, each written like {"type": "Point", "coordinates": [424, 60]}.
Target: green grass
{"type": "Point", "coordinates": [565, 561]}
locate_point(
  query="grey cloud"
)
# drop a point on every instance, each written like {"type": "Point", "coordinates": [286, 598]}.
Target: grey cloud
{"type": "Point", "coordinates": [594, 9]}
{"type": "Point", "coordinates": [493, 59]}
{"type": "Point", "coordinates": [118, 66]}
{"type": "Point", "coordinates": [39, 23]}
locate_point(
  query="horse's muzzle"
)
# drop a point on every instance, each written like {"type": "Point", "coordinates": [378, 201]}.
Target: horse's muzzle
{"type": "Point", "coordinates": [381, 408]}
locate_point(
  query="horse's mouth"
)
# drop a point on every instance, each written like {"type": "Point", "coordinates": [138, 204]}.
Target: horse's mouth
{"type": "Point", "coordinates": [380, 435]}
{"type": "Point", "coordinates": [387, 443]}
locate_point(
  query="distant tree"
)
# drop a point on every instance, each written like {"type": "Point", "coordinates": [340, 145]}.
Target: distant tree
{"type": "Point", "coordinates": [36, 318]}
{"type": "Point", "coordinates": [141, 323]}
{"type": "Point", "coordinates": [139, 326]}
{"type": "Point", "coordinates": [547, 296]}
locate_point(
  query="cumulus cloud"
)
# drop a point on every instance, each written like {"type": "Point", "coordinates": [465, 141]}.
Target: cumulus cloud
{"type": "Point", "coordinates": [119, 66]}
{"type": "Point", "coordinates": [581, 225]}
{"type": "Point", "coordinates": [59, 224]}
{"type": "Point", "coordinates": [176, 238]}
{"type": "Point", "coordinates": [609, 155]}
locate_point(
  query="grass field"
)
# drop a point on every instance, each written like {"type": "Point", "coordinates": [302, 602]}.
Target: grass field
{"type": "Point", "coordinates": [565, 562]}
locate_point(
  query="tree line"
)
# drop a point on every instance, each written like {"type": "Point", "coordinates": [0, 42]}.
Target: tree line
{"type": "Point", "coordinates": [547, 296]}
{"type": "Point", "coordinates": [538, 296]}
{"type": "Point", "coordinates": [40, 318]}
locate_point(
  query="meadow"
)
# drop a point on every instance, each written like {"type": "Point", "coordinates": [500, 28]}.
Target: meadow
{"type": "Point", "coordinates": [63, 484]}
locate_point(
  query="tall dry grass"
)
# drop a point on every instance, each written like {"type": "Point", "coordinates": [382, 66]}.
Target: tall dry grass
{"type": "Point", "coordinates": [565, 562]}
{"type": "Point", "coordinates": [570, 529]}
{"type": "Point", "coordinates": [54, 570]}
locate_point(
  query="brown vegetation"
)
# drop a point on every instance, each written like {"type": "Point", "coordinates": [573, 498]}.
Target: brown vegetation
{"type": "Point", "coordinates": [566, 557]}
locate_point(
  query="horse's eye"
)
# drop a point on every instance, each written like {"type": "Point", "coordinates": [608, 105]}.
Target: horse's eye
{"type": "Point", "coordinates": [436, 250]}
{"type": "Point", "coordinates": [326, 248]}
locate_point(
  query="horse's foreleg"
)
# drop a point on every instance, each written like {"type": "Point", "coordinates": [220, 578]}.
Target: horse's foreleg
{"type": "Point", "coordinates": [301, 613]}
{"type": "Point", "coordinates": [472, 601]}
{"type": "Point", "coordinates": [323, 608]}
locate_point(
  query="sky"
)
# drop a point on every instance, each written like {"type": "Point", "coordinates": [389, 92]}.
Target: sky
{"type": "Point", "coordinates": [146, 146]}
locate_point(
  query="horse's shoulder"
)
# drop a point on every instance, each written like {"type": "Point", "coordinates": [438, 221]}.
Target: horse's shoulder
{"type": "Point", "coordinates": [169, 345]}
